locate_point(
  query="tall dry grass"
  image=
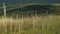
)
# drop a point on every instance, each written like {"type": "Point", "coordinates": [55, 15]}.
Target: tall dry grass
{"type": "Point", "coordinates": [31, 25]}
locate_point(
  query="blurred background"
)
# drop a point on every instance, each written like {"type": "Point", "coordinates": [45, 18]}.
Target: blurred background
{"type": "Point", "coordinates": [11, 2]}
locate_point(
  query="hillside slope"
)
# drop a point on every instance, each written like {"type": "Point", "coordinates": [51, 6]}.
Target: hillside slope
{"type": "Point", "coordinates": [35, 8]}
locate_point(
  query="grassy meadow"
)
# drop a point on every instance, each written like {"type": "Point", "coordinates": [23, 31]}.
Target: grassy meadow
{"type": "Point", "coordinates": [30, 25]}
{"type": "Point", "coordinates": [30, 19]}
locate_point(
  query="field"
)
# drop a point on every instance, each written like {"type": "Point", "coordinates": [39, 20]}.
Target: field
{"type": "Point", "coordinates": [30, 19]}
{"type": "Point", "coordinates": [30, 25]}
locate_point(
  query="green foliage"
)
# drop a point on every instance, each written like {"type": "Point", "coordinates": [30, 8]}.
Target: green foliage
{"type": "Point", "coordinates": [34, 8]}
